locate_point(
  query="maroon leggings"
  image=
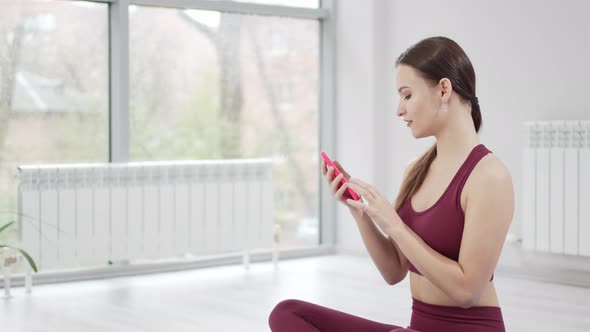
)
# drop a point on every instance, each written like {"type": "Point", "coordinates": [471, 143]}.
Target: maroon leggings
{"type": "Point", "coordinates": [300, 316]}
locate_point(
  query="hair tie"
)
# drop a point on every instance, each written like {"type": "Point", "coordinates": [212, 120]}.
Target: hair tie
{"type": "Point", "coordinates": [475, 101]}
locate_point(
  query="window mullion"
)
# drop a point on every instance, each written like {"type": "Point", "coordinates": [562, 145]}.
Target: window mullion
{"type": "Point", "coordinates": [119, 81]}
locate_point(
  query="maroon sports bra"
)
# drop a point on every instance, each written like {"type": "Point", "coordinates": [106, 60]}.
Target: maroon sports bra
{"type": "Point", "coordinates": [441, 225]}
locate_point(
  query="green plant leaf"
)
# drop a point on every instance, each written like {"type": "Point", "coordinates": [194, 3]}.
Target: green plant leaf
{"type": "Point", "coordinates": [29, 258]}
{"type": "Point", "coordinates": [6, 226]}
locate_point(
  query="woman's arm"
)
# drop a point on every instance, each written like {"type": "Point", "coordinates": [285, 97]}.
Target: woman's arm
{"type": "Point", "coordinates": [488, 214]}
{"type": "Point", "coordinates": [382, 250]}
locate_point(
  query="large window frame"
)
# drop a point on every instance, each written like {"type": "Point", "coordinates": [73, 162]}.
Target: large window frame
{"type": "Point", "coordinates": [119, 78]}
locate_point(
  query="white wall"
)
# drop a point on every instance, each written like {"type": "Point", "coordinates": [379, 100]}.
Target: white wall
{"type": "Point", "coordinates": [365, 113]}
{"type": "Point", "coordinates": [355, 105]}
{"type": "Point", "coordinates": [531, 60]}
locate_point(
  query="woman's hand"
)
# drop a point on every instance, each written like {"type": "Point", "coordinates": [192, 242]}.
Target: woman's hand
{"type": "Point", "coordinates": [376, 206]}
{"type": "Point", "coordinates": [336, 188]}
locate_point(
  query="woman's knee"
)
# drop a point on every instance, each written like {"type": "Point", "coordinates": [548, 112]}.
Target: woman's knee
{"type": "Point", "coordinates": [289, 304]}
{"type": "Point", "coordinates": [284, 308]}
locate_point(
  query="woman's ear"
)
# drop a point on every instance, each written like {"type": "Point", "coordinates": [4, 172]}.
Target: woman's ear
{"type": "Point", "coordinates": [446, 87]}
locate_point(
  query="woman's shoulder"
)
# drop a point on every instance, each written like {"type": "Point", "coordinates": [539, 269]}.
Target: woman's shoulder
{"type": "Point", "coordinates": [490, 170]}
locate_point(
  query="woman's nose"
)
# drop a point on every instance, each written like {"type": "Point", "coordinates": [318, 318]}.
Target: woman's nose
{"type": "Point", "coordinates": [400, 111]}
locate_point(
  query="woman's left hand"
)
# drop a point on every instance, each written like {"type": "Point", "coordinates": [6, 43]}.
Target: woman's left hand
{"type": "Point", "coordinates": [377, 206]}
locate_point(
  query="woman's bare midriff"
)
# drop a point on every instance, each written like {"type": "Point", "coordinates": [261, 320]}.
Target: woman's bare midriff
{"type": "Point", "coordinates": [425, 291]}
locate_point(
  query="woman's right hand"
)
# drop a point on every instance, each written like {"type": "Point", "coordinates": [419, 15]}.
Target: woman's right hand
{"type": "Point", "coordinates": [336, 189]}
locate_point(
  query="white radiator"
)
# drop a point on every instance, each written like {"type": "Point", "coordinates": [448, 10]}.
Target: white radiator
{"type": "Point", "coordinates": [556, 187]}
{"type": "Point", "coordinates": [79, 215]}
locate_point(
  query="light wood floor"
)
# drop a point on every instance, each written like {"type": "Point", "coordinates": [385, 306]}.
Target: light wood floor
{"type": "Point", "coordinates": [231, 299]}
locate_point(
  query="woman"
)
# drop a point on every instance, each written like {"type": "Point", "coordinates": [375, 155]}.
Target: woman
{"type": "Point", "coordinates": [451, 216]}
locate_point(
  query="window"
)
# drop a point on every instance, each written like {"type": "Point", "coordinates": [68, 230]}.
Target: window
{"type": "Point", "coordinates": [203, 86]}
{"type": "Point", "coordinates": [211, 83]}
{"type": "Point", "coordinates": [279, 44]}
{"type": "Point", "coordinates": [53, 87]}
{"type": "Point", "coordinates": [290, 3]}
{"type": "Point", "coordinates": [284, 95]}
{"type": "Point", "coordinates": [39, 23]}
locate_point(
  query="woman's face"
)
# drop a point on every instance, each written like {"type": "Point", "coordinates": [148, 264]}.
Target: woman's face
{"type": "Point", "coordinates": [420, 102]}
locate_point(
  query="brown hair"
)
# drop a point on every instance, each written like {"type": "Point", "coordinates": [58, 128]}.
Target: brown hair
{"type": "Point", "coordinates": [436, 58]}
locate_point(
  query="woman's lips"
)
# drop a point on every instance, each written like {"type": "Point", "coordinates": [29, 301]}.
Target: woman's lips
{"type": "Point", "coordinates": [409, 123]}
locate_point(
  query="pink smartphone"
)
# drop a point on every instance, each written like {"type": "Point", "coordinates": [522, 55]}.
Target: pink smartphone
{"type": "Point", "coordinates": [349, 193]}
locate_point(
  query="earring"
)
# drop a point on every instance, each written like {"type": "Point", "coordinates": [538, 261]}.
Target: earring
{"type": "Point", "coordinates": [444, 107]}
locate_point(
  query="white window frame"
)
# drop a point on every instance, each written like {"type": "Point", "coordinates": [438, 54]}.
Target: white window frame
{"type": "Point", "coordinates": [119, 77]}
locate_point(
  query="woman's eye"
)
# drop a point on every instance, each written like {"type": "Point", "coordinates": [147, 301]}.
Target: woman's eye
{"type": "Point", "coordinates": [407, 97]}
